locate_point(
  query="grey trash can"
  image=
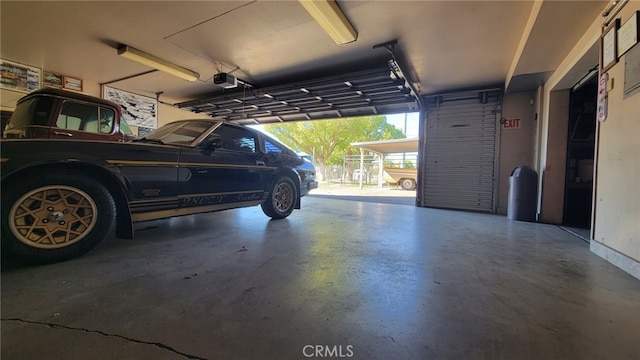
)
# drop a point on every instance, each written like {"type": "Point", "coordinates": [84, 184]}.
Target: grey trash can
{"type": "Point", "coordinates": [523, 190]}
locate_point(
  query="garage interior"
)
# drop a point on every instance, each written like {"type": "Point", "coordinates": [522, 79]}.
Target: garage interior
{"type": "Point", "coordinates": [449, 278]}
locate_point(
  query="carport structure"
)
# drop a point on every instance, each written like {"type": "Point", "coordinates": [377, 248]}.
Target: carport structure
{"type": "Point", "coordinates": [384, 147]}
{"type": "Point", "coordinates": [395, 282]}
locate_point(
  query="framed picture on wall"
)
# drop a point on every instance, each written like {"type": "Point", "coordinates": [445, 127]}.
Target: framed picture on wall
{"type": "Point", "coordinates": [51, 79]}
{"type": "Point", "coordinates": [19, 77]}
{"type": "Point", "coordinates": [137, 110]}
{"type": "Point", "coordinates": [72, 83]}
{"type": "Point", "coordinates": [628, 33]}
{"type": "Point", "coordinates": [609, 46]}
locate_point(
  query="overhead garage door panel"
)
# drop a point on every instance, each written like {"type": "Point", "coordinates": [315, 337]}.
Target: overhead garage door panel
{"type": "Point", "coordinates": [374, 91]}
{"type": "Point", "coordinates": [460, 151]}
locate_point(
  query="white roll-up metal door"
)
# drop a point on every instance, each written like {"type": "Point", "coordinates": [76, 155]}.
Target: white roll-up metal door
{"type": "Point", "coordinates": [458, 164]}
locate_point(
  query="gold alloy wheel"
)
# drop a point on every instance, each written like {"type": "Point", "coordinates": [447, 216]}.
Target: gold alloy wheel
{"type": "Point", "coordinates": [52, 217]}
{"type": "Point", "coordinates": [283, 197]}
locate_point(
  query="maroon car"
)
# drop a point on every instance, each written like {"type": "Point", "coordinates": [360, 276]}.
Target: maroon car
{"type": "Point", "coordinates": [59, 114]}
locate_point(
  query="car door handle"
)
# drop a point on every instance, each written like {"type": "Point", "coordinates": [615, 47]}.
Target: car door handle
{"type": "Point", "coordinates": [62, 133]}
{"type": "Point", "coordinates": [260, 163]}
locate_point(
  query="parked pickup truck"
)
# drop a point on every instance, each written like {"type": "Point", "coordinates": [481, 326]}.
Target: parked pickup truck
{"type": "Point", "coordinates": [59, 114]}
{"type": "Point", "coordinates": [406, 178]}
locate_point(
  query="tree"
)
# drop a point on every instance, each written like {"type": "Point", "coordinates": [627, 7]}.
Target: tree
{"type": "Point", "coordinates": [329, 140]}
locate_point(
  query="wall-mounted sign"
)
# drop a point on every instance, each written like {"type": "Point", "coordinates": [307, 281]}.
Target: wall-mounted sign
{"type": "Point", "coordinates": [137, 110]}
{"type": "Point", "coordinates": [511, 124]}
{"type": "Point", "coordinates": [631, 72]}
{"type": "Point", "coordinates": [602, 97]}
{"type": "Point", "coordinates": [19, 77]}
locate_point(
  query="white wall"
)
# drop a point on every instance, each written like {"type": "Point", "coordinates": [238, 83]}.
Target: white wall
{"type": "Point", "coordinates": [617, 193]}
{"type": "Point", "coordinates": [616, 208]}
{"type": "Point", "coordinates": [168, 113]}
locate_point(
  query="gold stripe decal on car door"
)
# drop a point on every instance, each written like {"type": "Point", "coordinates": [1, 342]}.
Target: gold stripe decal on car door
{"type": "Point", "coordinates": [167, 163]}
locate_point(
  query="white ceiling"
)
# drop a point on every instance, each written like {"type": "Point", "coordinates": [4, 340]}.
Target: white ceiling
{"type": "Point", "coordinates": [448, 45]}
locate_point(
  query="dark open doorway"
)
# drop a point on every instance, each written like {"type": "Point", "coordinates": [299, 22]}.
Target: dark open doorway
{"type": "Point", "coordinates": [580, 155]}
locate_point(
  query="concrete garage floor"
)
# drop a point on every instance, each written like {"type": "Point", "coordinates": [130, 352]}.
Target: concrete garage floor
{"type": "Point", "coordinates": [374, 281]}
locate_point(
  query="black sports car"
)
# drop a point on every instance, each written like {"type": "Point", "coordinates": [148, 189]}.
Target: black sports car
{"type": "Point", "coordinates": [61, 198]}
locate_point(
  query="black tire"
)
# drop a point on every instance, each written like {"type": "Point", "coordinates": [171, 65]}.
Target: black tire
{"type": "Point", "coordinates": [77, 215]}
{"type": "Point", "coordinates": [282, 198]}
{"type": "Point", "coordinates": [407, 184]}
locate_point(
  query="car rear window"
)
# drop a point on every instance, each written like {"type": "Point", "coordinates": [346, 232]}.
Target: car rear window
{"type": "Point", "coordinates": [34, 111]}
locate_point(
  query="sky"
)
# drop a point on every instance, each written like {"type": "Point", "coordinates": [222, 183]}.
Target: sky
{"type": "Point", "coordinates": [397, 120]}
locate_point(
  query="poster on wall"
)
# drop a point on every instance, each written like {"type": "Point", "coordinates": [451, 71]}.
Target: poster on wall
{"type": "Point", "coordinates": [19, 77]}
{"type": "Point", "coordinates": [143, 131]}
{"type": "Point", "coordinates": [137, 110]}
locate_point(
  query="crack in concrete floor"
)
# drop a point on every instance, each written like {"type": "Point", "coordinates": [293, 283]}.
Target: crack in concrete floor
{"type": "Point", "coordinates": [65, 327]}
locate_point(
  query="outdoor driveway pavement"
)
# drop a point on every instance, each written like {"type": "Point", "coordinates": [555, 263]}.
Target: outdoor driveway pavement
{"type": "Point", "coordinates": [369, 193]}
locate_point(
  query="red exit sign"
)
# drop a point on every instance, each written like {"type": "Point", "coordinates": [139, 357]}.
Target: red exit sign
{"type": "Point", "coordinates": [511, 124]}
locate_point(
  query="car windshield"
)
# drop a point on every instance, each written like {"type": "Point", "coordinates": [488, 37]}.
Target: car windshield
{"type": "Point", "coordinates": [124, 127]}
{"type": "Point", "coordinates": [179, 132]}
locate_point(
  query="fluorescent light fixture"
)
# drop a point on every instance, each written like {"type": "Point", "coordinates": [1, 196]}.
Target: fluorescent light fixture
{"type": "Point", "coordinates": [327, 13]}
{"type": "Point", "coordinates": [151, 61]}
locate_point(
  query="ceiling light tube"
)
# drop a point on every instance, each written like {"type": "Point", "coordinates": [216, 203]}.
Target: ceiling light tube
{"type": "Point", "coordinates": [143, 58]}
{"type": "Point", "coordinates": [330, 17]}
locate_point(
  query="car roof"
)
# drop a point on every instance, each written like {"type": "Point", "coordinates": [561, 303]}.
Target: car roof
{"type": "Point", "coordinates": [69, 95]}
